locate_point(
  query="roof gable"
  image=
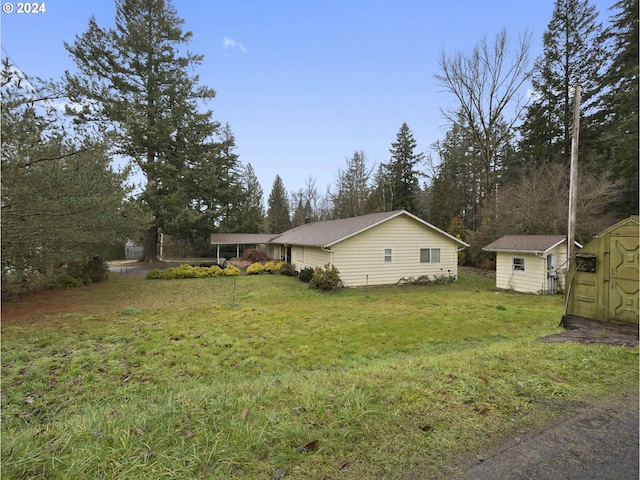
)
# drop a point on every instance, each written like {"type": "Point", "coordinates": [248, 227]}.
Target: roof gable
{"type": "Point", "coordinates": [526, 243]}
{"type": "Point", "coordinates": [331, 232]}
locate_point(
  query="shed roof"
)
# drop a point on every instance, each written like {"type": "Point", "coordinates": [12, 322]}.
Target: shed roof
{"type": "Point", "coordinates": [526, 243]}
{"type": "Point", "coordinates": [330, 232]}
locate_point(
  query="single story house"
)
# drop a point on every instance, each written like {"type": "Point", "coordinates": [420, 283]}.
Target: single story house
{"type": "Point", "coordinates": [374, 249]}
{"type": "Point", "coordinates": [604, 278]}
{"type": "Point", "coordinates": [530, 263]}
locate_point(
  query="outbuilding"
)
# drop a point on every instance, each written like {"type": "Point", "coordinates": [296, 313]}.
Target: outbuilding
{"type": "Point", "coordinates": [603, 280]}
{"type": "Point", "coordinates": [530, 263]}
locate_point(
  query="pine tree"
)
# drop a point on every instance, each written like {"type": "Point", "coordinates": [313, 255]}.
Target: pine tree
{"type": "Point", "coordinates": [352, 188]}
{"type": "Point", "coordinates": [278, 213]}
{"type": "Point", "coordinates": [136, 78]}
{"type": "Point", "coordinates": [250, 209]}
{"type": "Point", "coordinates": [572, 55]}
{"type": "Point", "coordinates": [403, 173]}
{"type": "Point", "coordinates": [61, 200]}
{"type": "Point", "coordinates": [617, 116]}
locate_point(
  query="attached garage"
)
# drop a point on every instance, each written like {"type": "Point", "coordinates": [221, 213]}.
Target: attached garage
{"type": "Point", "coordinates": [603, 280]}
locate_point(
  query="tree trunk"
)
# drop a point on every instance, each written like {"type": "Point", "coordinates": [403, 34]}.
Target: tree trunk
{"type": "Point", "coordinates": [150, 246]}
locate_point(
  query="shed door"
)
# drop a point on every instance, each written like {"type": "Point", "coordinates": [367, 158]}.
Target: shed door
{"type": "Point", "coordinates": [623, 285]}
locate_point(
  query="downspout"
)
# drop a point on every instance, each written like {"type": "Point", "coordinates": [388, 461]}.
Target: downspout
{"type": "Point", "coordinates": [333, 254]}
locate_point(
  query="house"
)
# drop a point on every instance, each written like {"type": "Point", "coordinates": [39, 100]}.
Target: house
{"type": "Point", "coordinates": [374, 249]}
{"type": "Point", "coordinates": [530, 263]}
{"type": "Point", "coordinates": [603, 280]}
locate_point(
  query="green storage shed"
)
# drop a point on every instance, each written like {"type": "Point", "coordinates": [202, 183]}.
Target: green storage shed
{"type": "Point", "coordinates": [603, 280]}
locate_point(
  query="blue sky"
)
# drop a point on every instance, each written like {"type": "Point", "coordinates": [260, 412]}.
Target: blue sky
{"type": "Point", "coordinates": [305, 83]}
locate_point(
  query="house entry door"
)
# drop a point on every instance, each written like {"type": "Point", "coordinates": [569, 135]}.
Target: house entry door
{"type": "Point", "coordinates": [623, 281]}
{"type": "Point", "coordinates": [552, 274]}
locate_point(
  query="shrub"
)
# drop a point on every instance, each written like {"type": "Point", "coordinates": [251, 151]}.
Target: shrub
{"type": "Point", "coordinates": [231, 271]}
{"type": "Point", "coordinates": [255, 268]}
{"type": "Point", "coordinates": [273, 267]}
{"type": "Point", "coordinates": [155, 274]}
{"type": "Point", "coordinates": [255, 255]}
{"type": "Point", "coordinates": [306, 274]}
{"type": "Point", "coordinates": [93, 270]}
{"type": "Point", "coordinates": [66, 281]}
{"type": "Point", "coordinates": [288, 269]}
{"type": "Point", "coordinates": [184, 271]}
{"type": "Point", "coordinates": [327, 278]}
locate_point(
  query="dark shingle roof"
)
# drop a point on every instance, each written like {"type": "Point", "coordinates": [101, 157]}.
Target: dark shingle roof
{"type": "Point", "coordinates": [525, 243]}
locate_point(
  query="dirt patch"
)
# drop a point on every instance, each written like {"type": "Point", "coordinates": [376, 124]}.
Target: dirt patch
{"type": "Point", "coordinates": [588, 331]}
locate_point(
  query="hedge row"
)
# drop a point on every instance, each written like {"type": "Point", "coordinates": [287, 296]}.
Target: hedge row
{"type": "Point", "coordinates": [189, 271]}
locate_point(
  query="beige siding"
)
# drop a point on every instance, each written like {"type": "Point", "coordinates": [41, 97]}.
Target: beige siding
{"type": "Point", "coordinates": [534, 278]}
{"type": "Point", "coordinates": [364, 254]}
{"type": "Point", "coordinates": [561, 264]}
{"type": "Point", "coordinates": [530, 281]}
{"type": "Point", "coordinates": [312, 257]}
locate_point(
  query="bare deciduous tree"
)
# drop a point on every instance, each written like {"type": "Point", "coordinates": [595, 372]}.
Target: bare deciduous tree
{"type": "Point", "coordinates": [485, 83]}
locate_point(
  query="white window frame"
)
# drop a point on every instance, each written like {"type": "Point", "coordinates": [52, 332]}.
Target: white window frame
{"type": "Point", "coordinates": [388, 255]}
{"type": "Point", "coordinates": [299, 254]}
{"type": "Point", "coordinates": [518, 268]}
{"type": "Point", "coordinates": [431, 250]}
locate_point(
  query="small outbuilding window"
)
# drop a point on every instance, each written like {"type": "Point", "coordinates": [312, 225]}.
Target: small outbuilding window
{"type": "Point", "coordinates": [429, 255]}
{"type": "Point", "coordinates": [387, 255]}
{"type": "Point", "coordinates": [517, 264]}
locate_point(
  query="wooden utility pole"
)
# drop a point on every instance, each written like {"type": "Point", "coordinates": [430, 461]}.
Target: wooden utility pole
{"type": "Point", "coordinates": [573, 183]}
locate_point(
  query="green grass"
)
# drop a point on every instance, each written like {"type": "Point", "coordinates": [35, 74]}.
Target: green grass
{"type": "Point", "coordinates": [230, 378]}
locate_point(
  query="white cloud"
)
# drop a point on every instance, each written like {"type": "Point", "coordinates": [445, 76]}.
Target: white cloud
{"type": "Point", "coordinates": [232, 45]}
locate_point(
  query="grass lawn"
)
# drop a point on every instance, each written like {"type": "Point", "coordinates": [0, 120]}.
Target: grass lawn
{"type": "Point", "coordinates": [260, 377]}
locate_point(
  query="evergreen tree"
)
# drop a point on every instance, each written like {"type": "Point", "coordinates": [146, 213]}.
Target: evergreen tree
{"type": "Point", "coordinates": [380, 197]}
{"type": "Point", "coordinates": [221, 187]}
{"type": "Point", "coordinates": [572, 55]}
{"type": "Point", "coordinates": [136, 78]}
{"type": "Point", "coordinates": [403, 173]}
{"type": "Point", "coordinates": [456, 188]}
{"type": "Point", "coordinates": [250, 209]}
{"type": "Point", "coordinates": [278, 213]}
{"type": "Point", "coordinates": [617, 117]}
{"type": "Point", "coordinates": [61, 200]}
{"type": "Point", "coordinates": [352, 188]}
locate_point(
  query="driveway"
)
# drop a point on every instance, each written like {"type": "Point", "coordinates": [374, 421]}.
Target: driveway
{"type": "Point", "coordinates": [595, 442]}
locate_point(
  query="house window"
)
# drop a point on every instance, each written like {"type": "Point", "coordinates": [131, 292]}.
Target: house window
{"type": "Point", "coordinates": [429, 255]}
{"type": "Point", "coordinates": [517, 264]}
{"type": "Point", "coordinates": [300, 254]}
{"type": "Point", "coordinates": [387, 255]}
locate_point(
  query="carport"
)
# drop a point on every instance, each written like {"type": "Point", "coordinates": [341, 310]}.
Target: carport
{"type": "Point", "coordinates": [239, 240]}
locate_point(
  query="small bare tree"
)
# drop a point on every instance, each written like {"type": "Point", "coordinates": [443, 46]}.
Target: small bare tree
{"type": "Point", "coordinates": [484, 84]}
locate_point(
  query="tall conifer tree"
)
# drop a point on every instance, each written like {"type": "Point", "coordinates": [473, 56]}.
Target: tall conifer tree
{"type": "Point", "coordinates": [572, 55]}
{"type": "Point", "coordinates": [136, 79]}
{"type": "Point", "coordinates": [278, 213]}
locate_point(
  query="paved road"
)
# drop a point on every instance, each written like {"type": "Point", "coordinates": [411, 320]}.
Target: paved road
{"type": "Point", "coordinates": [594, 443]}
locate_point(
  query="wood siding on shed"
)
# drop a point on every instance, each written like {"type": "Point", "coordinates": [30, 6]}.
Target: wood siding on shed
{"type": "Point", "coordinates": [364, 254]}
